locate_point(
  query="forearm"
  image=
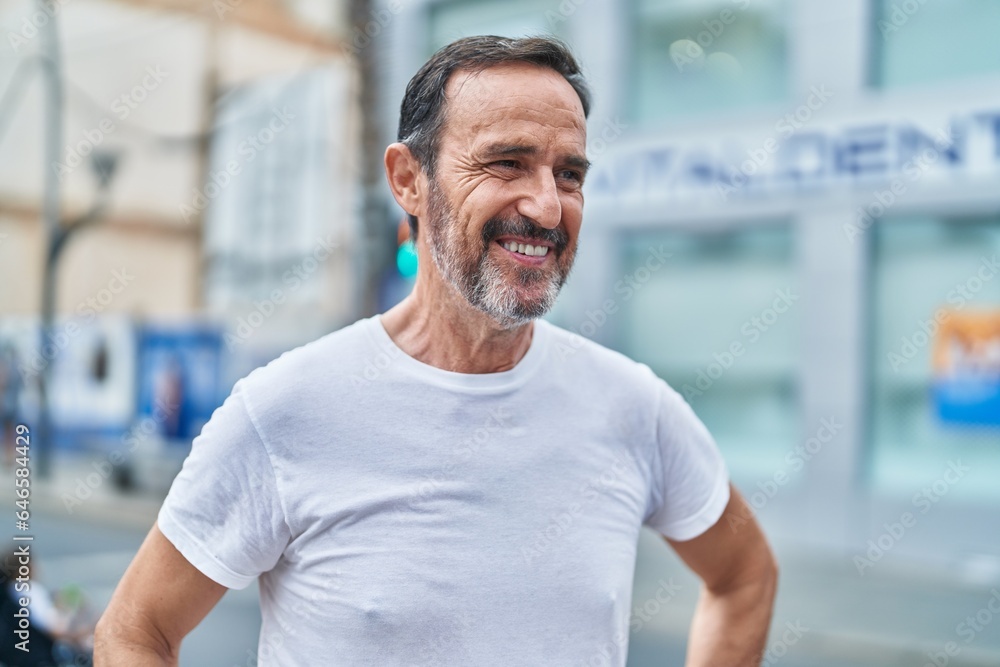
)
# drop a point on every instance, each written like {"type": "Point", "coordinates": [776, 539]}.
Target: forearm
{"type": "Point", "coordinates": [730, 627]}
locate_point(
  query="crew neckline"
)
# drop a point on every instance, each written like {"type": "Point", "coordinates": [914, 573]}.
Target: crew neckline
{"type": "Point", "coordinates": [508, 379]}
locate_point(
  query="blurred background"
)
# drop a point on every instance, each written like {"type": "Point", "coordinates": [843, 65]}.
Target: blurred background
{"type": "Point", "coordinates": [189, 188]}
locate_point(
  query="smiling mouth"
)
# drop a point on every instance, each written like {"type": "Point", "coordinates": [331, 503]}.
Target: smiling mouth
{"type": "Point", "coordinates": [525, 253]}
{"type": "Point", "coordinates": [525, 249]}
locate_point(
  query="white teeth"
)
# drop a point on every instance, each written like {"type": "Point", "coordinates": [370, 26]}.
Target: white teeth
{"type": "Point", "coordinates": [527, 249]}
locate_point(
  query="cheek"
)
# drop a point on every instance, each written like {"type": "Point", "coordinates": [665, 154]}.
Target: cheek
{"type": "Point", "coordinates": [480, 206]}
{"type": "Point", "coordinates": [572, 214]}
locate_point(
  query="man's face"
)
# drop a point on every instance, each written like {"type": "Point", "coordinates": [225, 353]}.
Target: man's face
{"type": "Point", "coordinates": [510, 167]}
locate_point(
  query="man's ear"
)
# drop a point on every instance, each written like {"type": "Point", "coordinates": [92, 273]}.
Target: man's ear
{"type": "Point", "coordinates": [406, 178]}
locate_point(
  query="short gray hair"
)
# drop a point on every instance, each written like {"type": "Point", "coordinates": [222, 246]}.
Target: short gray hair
{"type": "Point", "coordinates": [421, 114]}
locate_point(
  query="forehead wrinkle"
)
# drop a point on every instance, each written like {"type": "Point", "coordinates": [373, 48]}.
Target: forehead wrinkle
{"type": "Point", "coordinates": [540, 102]}
{"type": "Point", "coordinates": [485, 132]}
{"type": "Point", "coordinates": [488, 114]}
{"type": "Point", "coordinates": [527, 145]}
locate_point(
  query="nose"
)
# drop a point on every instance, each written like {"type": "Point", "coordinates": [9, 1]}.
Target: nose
{"type": "Point", "coordinates": [541, 203]}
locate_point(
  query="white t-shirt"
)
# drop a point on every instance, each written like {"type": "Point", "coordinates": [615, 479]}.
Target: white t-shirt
{"type": "Point", "coordinates": [400, 514]}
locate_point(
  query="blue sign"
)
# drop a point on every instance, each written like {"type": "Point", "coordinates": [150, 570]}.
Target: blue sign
{"type": "Point", "coordinates": [179, 378]}
{"type": "Point", "coordinates": [969, 401]}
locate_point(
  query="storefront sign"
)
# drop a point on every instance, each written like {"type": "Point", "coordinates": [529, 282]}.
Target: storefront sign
{"type": "Point", "coordinates": [967, 368]}
{"type": "Point", "coordinates": [800, 160]}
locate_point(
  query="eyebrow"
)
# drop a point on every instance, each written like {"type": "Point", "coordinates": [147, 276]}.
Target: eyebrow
{"type": "Point", "coordinates": [519, 150]}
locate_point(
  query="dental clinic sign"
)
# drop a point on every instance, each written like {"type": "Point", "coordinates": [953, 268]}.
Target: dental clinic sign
{"type": "Point", "coordinates": [801, 160]}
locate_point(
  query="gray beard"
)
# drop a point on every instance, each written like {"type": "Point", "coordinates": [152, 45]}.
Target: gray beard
{"type": "Point", "coordinates": [481, 280]}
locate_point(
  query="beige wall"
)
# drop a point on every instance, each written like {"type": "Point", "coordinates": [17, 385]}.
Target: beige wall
{"type": "Point", "coordinates": [110, 50]}
{"type": "Point", "coordinates": [139, 272]}
{"type": "Point", "coordinates": [20, 265]}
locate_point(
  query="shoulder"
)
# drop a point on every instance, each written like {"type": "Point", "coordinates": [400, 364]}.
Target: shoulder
{"type": "Point", "coordinates": [310, 369]}
{"type": "Point", "coordinates": [589, 360]}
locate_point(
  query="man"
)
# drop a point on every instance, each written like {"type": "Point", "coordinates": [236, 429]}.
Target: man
{"type": "Point", "coordinates": [455, 482]}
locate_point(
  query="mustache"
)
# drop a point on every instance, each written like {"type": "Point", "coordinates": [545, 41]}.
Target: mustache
{"type": "Point", "coordinates": [522, 226]}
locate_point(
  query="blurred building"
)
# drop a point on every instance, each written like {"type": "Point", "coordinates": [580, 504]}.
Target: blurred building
{"type": "Point", "coordinates": [792, 203]}
{"type": "Point", "coordinates": [226, 133]}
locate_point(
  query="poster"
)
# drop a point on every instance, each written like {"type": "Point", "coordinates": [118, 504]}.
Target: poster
{"type": "Point", "coordinates": [967, 368]}
{"type": "Point", "coordinates": [179, 378]}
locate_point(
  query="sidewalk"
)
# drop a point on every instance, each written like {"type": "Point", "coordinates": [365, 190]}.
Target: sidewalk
{"type": "Point", "coordinates": [77, 489]}
{"type": "Point", "coordinates": [827, 615]}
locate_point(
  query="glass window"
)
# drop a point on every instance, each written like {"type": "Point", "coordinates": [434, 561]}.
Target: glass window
{"type": "Point", "coordinates": [508, 18]}
{"type": "Point", "coordinates": [267, 190]}
{"type": "Point", "coordinates": [718, 323]}
{"type": "Point", "coordinates": [693, 56]}
{"type": "Point", "coordinates": [921, 42]}
{"type": "Point", "coordinates": [935, 293]}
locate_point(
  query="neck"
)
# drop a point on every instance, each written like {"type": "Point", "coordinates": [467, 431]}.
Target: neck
{"type": "Point", "coordinates": [438, 327]}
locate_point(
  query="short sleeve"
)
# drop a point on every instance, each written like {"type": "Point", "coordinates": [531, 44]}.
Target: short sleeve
{"type": "Point", "coordinates": [691, 485]}
{"type": "Point", "coordinates": [223, 512]}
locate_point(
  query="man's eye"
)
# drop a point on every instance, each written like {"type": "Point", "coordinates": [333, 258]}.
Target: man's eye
{"type": "Point", "coordinates": [505, 164]}
{"type": "Point", "coordinates": [571, 175]}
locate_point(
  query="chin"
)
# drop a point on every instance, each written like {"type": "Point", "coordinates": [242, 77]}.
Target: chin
{"type": "Point", "coordinates": [512, 317]}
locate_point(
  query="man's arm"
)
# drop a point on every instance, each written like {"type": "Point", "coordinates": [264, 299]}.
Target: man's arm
{"type": "Point", "coordinates": [159, 600]}
{"type": "Point", "coordinates": [740, 577]}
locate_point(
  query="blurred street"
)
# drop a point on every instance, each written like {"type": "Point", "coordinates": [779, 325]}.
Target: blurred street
{"type": "Point", "coordinates": [888, 618]}
{"type": "Point", "coordinates": [792, 218]}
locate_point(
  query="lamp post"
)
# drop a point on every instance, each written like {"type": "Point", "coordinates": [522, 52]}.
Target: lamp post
{"type": "Point", "coordinates": [103, 165]}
